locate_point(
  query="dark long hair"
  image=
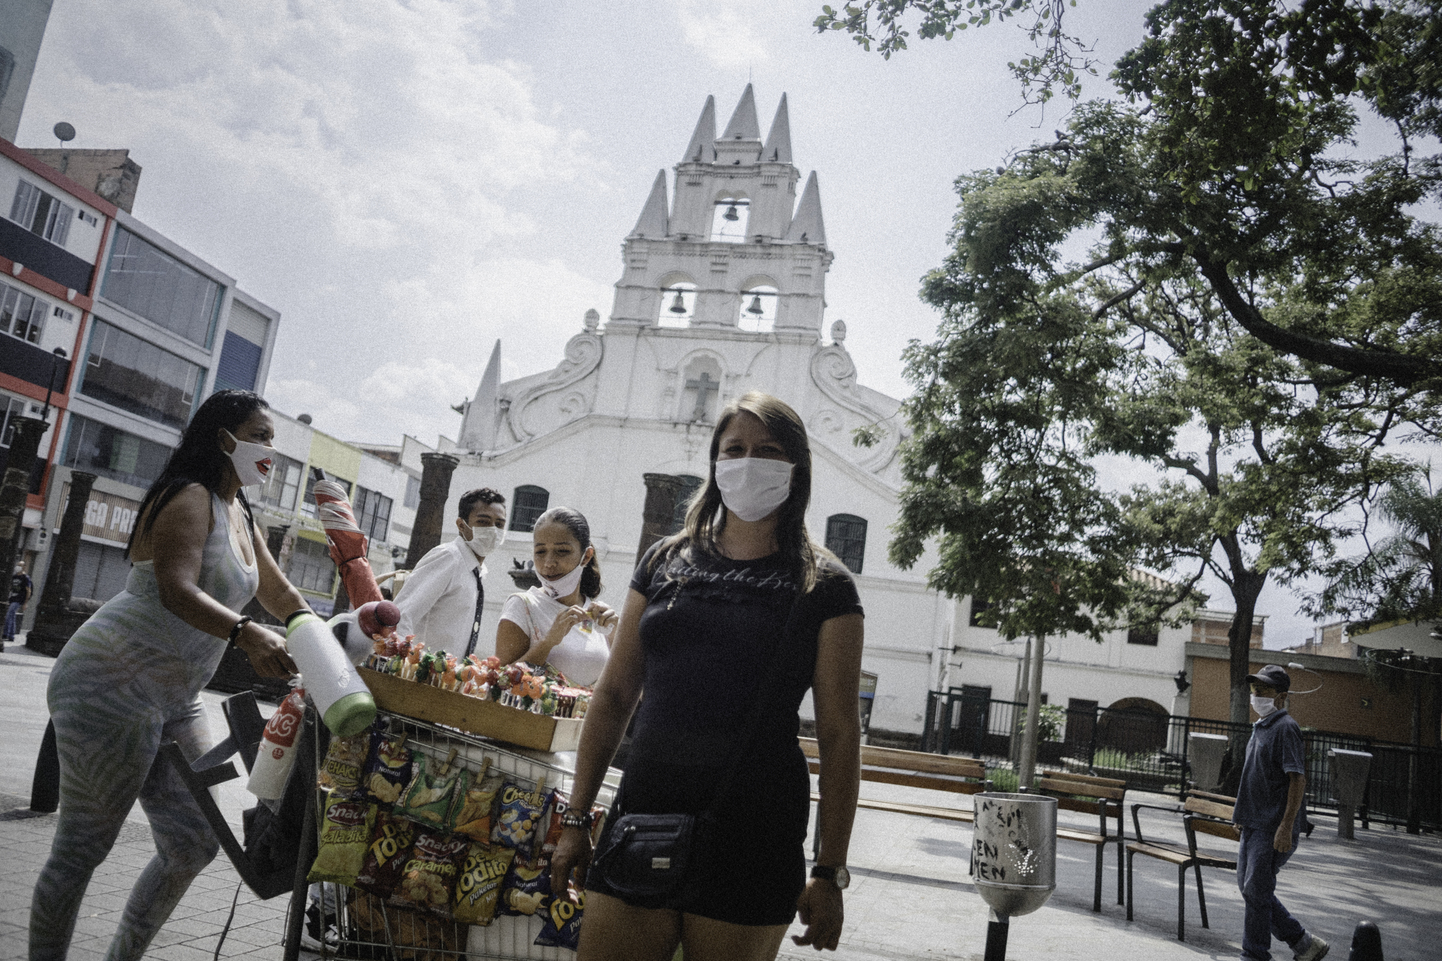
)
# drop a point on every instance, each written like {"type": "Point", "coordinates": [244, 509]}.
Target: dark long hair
{"type": "Point", "coordinates": [575, 522]}
{"type": "Point", "coordinates": [706, 517]}
{"type": "Point", "coordinates": [199, 459]}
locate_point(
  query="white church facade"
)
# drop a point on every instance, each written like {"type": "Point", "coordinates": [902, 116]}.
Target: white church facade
{"type": "Point", "coordinates": [723, 291]}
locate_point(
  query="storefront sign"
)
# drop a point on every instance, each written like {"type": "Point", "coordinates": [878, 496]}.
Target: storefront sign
{"type": "Point", "coordinates": [108, 517]}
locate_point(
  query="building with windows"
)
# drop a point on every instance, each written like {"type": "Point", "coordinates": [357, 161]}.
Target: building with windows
{"type": "Point", "coordinates": [723, 291]}
{"type": "Point", "coordinates": [116, 333]}
{"type": "Point", "coordinates": [384, 489]}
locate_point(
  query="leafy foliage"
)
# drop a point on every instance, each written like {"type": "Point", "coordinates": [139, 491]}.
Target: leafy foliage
{"type": "Point", "coordinates": [1059, 62]}
{"type": "Point", "coordinates": [1400, 577]}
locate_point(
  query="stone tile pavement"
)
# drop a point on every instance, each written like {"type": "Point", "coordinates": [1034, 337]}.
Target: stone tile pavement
{"type": "Point", "coordinates": [911, 897]}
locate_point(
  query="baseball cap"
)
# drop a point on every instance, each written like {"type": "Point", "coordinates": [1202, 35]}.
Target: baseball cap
{"type": "Point", "coordinates": [1273, 676]}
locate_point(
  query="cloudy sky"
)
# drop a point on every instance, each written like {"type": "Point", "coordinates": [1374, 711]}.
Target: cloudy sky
{"type": "Point", "coordinates": [409, 180]}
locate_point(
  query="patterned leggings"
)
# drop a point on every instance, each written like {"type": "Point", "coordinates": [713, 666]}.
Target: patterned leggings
{"type": "Point", "coordinates": [108, 759]}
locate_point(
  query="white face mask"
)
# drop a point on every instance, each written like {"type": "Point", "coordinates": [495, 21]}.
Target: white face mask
{"type": "Point", "coordinates": [753, 487]}
{"type": "Point", "coordinates": [484, 540]}
{"type": "Point", "coordinates": [566, 584]}
{"type": "Point", "coordinates": [252, 462]}
{"type": "Point", "coordinates": [1263, 705]}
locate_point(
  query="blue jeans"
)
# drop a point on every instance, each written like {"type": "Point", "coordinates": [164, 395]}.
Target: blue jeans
{"type": "Point", "coordinates": [12, 620]}
{"type": "Point", "coordinates": [1257, 866]}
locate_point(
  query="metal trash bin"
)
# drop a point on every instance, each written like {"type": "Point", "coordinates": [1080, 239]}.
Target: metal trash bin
{"type": "Point", "coordinates": [1349, 784]}
{"type": "Point", "coordinates": [1206, 752]}
{"type": "Point", "coordinates": [1013, 859]}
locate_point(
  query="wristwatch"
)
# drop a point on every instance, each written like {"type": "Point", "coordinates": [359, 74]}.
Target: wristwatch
{"type": "Point", "coordinates": [838, 876]}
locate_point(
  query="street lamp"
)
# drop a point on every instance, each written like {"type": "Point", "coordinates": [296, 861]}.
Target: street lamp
{"type": "Point", "coordinates": [59, 355]}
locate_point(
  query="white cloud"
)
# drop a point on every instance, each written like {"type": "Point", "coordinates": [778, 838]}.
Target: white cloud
{"type": "Point", "coordinates": [726, 32]}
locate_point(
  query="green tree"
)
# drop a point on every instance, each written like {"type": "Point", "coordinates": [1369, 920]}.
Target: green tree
{"type": "Point", "coordinates": [1249, 108]}
{"type": "Point", "coordinates": [1400, 575]}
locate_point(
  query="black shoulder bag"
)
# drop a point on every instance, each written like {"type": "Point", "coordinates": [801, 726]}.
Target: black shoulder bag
{"type": "Point", "coordinates": [648, 859]}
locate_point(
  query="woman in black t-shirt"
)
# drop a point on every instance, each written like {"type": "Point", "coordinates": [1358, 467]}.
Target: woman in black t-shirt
{"type": "Point", "coordinates": [725, 628]}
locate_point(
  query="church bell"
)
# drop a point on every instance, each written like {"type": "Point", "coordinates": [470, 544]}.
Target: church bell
{"type": "Point", "coordinates": [756, 307]}
{"type": "Point", "coordinates": [678, 306]}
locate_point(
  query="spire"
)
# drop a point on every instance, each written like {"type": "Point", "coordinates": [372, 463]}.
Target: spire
{"type": "Point", "coordinates": [778, 141]}
{"type": "Point", "coordinates": [806, 226]}
{"type": "Point", "coordinates": [478, 427]}
{"type": "Point", "coordinates": [653, 222]}
{"type": "Point", "coordinates": [700, 149]}
{"type": "Point", "coordinates": [743, 125]}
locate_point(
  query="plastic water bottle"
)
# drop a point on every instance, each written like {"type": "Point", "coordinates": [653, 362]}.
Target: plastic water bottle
{"type": "Point", "coordinates": [341, 697]}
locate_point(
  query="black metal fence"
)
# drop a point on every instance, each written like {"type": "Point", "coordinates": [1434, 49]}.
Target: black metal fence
{"type": "Point", "coordinates": [1151, 752]}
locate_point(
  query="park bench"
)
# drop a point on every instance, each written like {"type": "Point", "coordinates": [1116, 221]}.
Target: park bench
{"type": "Point", "coordinates": [1202, 813]}
{"type": "Point", "coordinates": [936, 772]}
{"type": "Point", "coordinates": [1102, 796]}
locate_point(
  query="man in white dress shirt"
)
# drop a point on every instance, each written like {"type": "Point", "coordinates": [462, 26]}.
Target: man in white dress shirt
{"type": "Point", "coordinates": [442, 598]}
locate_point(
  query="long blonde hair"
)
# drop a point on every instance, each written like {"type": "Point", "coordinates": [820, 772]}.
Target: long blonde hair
{"type": "Point", "coordinates": [706, 516]}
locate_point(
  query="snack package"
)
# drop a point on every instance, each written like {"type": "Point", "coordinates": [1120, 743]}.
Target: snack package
{"type": "Point", "coordinates": [527, 888]}
{"type": "Point", "coordinates": [428, 879]}
{"type": "Point", "coordinates": [563, 922]}
{"type": "Point", "coordinates": [340, 772]}
{"type": "Point", "coordinates": [547, 839]}
{"type": "Point", "coordinates": [387, 769]}
{"type": "Point", "coordinates": [473, 813]}
{"type": "Point", "coordinates": [390, 848]}
{"type": "Point", "coordinates": [345, 835]}
{"type": "Point", "coordinates": [478, 888]}
{"type": "Point", "coordinates": [518, 816]}
{"type": "Point", "coordinates": [431, 796]}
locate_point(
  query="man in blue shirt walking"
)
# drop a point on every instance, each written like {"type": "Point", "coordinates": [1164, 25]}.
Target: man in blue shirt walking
{"type": "Point", "coordinates": [1269, 815]}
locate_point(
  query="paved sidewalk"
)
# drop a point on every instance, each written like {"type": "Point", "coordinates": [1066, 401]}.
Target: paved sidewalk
{"type": "Point", "coordinates": [911, 897]}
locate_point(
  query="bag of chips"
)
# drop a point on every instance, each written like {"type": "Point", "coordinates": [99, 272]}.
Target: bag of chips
{"type": "Point", "coordinates": [518, 816]}
{"type": "Point", "coordinates": [563, 922]}
{"type": "Point", "coordinates": [387, 768]}
{"type": "Point", "coordinates": [340, 771]}
{"type": "Point", "coordinates": [473, 812]}
{"type": "Point", "coordinates": [390, 847]}
{"type": "Point", "coordinates": [431, 796]}
{"type": "Point", "coordinates": [527, 888]}
{"type": "Point", "coordinates": [428, 879]}
{"type": "Point", "coordinates": [478, 888]}
{"type": "Point", "coordinates": [345, 835]}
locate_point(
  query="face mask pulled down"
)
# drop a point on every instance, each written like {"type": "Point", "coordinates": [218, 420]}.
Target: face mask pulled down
{"type": "Point", "coordinates": [753, 487]}
{"type": "Point", "coordinates": [565, 585]}
{"type": "Point", "coordinates": [251, 461]}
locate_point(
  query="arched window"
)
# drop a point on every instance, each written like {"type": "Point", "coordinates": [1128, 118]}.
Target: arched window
{"type": "Point", "coordinates": [846, 538]}
{"type": "Point", "coordinates": [528, 503]}
{"type": "Point", "coordinates": [728, 223]}
{"type": "Point", "coordinates": [758, 308]}
{"type": "Point", "coordinates": [678, 304]}
{"type": "Point", "coordinates": [690, 484]}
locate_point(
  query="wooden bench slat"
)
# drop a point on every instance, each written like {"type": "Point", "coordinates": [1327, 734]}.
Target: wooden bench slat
{"type": "Point", "coordinates": [1085, 778]}
{"type": "Point", "coordinates": [1071, 786]}
{"type": "Point", "coordinates": [1211, 809]}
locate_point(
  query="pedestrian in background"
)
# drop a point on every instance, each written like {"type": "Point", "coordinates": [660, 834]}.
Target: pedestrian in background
{"type": "Point", "coordinates": [1269, 815]}
{"type": "Point", "coordinates": [21, 587]}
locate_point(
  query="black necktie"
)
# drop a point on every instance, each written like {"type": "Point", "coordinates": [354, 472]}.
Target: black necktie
{"type": "Point", "coordinates": [480, 604]}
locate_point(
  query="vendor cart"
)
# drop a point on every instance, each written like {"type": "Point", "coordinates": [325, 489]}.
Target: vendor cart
{"type": "Point", "coordinates": [371, 928]}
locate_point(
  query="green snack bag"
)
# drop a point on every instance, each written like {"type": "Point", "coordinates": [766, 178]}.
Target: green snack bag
{"type": "Point", "coordinates": [345, 836]}
{"type": "Point", "coordinates": [431, 796]}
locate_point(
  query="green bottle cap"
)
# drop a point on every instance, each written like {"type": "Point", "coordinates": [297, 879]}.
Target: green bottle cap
{"type": "Point", "coordinates": [351, 714]}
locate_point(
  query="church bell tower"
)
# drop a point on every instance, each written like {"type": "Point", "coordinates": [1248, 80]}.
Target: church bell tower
{"type": "Point", "coordinates": [735, 251]}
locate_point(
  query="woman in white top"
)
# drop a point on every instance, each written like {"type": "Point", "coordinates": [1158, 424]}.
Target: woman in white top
{"type": "Point", "coordinates": [560, 622]}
